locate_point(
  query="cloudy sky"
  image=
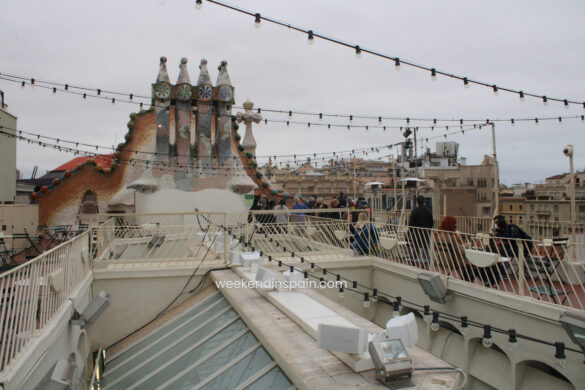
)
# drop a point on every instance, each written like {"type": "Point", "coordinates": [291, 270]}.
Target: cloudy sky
{"type": "Point", "coordinates": [534, 46]}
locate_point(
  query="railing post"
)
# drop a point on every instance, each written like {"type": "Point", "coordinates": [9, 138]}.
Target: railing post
{"type": "Point", "coordinates": [521, 276]}
{"type": "Point", "coordinates": [225, 239]}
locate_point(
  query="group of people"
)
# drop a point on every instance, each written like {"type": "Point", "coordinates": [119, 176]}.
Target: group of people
{"type": "Point", "coordinates": [504, 242]}
{"type": "Point", "coordinates": [364, 235]}
{"type": "Point", "coordinates": [450, 246]}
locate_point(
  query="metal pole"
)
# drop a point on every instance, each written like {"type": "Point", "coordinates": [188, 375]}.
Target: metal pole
{"type": "Point", "coordinates": [496, 197]}
{"type": "Point", "coordinates": [573, 208]}
{"type": "Point", "coordinates": [354, 196]}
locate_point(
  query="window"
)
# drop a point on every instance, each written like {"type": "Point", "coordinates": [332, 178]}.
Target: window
{"type": "Point", "coordinates": [470, 182]}
{"type": "Point", "coordinates": [531, 207]}
{"type": "Point", "coordinates": [482, 183]}
{"type": "Point", "coordinates": [520, 206]}
{"type": "Point", "coordinates": [510, 207]}
{"type": "Point", "coordinates": [556, 208]}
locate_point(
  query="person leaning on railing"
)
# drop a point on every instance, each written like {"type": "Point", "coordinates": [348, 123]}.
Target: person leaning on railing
{"type": "Point", "coordinates": [366, 240]}
{"type": "Point", "coordinates": [451, 250]}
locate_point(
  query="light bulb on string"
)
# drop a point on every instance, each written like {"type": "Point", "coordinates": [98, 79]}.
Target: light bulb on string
{"type": "Point", "coordinates": [397, 64]}
{"type": "Point", "coordinates": [358, 51]}
{"type": "Point", "coordinates": [435, 323]}
{"type": "Point", "coordinates": [545, 100]}
{"type": "Point", "coordinates": [495, 89]}
{"type": "Point", "coordinates": [566, 102]}
{"type": "Point", "coordinates": [198, 4]}
{"type": "Point", "coordinates": [310, 38]}
{"type": "Point", "coordinates": [366, 302]}
{"type": "Point", "coordinates": [465, 82]}
{"type": "Point", "coordinates": [521, 94]}
{"type": "Point", "coordinates": [427, 314]}
{"type": "Point", "coordinates": [257, 20]}
{"type": "Point", "coordinates": [560, 357]}
{"type": "Point", "coordinates": [487, 340]}
{"type": "Point", "coordinates": [512, 339]}
{"type": "Point", "coordinates": [433, 74]}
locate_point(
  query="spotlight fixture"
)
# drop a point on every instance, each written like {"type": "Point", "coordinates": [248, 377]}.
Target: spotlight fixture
{"type": "Point", "coordinates": [574, 324]}
{"type": "Point", "coordinates": [434, 287]}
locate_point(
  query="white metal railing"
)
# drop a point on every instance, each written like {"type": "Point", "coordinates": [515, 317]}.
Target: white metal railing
{"type": "Point", "coordinates": [549, 270]}
{"type": "Point", "coordinates": [208, 237]}
{"type": "Point", "coordinates": [31, 294]}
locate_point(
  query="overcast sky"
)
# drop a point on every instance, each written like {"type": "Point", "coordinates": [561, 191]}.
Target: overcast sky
{"type": "Point", "coordinates": [534, 46]}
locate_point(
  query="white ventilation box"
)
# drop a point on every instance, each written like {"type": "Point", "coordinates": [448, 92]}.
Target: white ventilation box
{"type": "Point", "coordinates": [295, 276]}
{"type": "Point", "coordinates": [403, 328]}
{"type": "Point", "coordinates": [264, 275]}
{"type": "Point", "coordinates": [342, 339]}
{"type": "Point", "coordinates": [249, 258]}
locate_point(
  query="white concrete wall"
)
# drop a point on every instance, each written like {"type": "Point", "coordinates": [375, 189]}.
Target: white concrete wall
{"type": "Point", "coordinates": [16, 218]}
{"type": "Point", "coordinates": [169, 201]}
{"type": "Point", "coordinates": [137, 296]}
{"type": "Point", "coordinates": [59, 340]}
{"type": "Point", "coordinates": [7, 157]}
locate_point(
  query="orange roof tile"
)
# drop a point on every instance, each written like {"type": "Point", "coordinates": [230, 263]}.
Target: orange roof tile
{"type": "Point", "coordinates": [105, 160]}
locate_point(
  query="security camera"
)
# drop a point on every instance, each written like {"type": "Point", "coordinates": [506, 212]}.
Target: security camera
{"type": "Point", "coordinates": [568, 151]}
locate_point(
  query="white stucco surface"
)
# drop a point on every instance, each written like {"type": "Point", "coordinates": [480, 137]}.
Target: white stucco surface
{"type": "Point", "coordinates": [171, 200]}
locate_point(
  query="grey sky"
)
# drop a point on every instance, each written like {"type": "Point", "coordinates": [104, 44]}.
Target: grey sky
{"type": "Point", "coordinates": [535, 46]}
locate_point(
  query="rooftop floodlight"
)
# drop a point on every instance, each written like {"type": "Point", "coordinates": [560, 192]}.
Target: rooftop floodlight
{"type": "Point", "coordinates": [574, 324]}
{"type": "Point", "coordinates": [92, 311]}
{"type": "Point", "coordinates": [434, 287]}
{"type": "Point", "coordinates": [393, 365]}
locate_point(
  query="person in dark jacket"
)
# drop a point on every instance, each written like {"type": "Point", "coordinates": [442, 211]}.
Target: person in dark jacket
{"type": "Point", "coordinates": [421, 219]}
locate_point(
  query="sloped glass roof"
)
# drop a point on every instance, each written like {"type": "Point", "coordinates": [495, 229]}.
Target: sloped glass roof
{"type": "Point", "coordinates": [206, 347]}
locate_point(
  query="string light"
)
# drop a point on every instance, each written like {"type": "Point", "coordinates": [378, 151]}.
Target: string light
{"type": "Point", "coordinates": [68, 87]}
{"type": "Point", "coordinates": [397, 63]}
{"type": "Point", "coordinates": [487, 340]}
{"type": "Point", "coordinates": [513, 335]}
{"type": "Point", "coordinates": [433, 74]}
{"type": "Point", "coordinates": [257, 20]}
{"type": "Point", "coordinates": [366, 302]}
{"type": "Point", "coordinates": [198, 4]}
{"type": "Point", "coordinates": [330, 39]}
{"type": "Point", "coordinates": [358, 51]}
{"type": "Point", "coordinates": [310, 38]}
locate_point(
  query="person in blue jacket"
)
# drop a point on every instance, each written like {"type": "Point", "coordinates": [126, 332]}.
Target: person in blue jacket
{"type": "Point", "coordinates": [366, 240]}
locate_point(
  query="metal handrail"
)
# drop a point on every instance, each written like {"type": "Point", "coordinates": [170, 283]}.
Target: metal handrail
{"type": "Point", "coordinates": [32, 293]}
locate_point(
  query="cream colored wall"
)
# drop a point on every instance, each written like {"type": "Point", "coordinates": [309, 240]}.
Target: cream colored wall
{"type": "Point", "coordinates": [169, 201]}
{"type": "Point", "coordinates": [137, 296]}
{"type": "Point", "coordinates": [7, 157]}
{"type": "Point", "coordinates": [59, 340]}
{"type": "Point", "coordinates": [16, 218]}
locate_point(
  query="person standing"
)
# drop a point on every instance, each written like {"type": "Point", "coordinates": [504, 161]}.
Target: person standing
{"type": "Point", "coordinates": [282, 216]}
{"type": "Point", "coordinates": [420, 223]}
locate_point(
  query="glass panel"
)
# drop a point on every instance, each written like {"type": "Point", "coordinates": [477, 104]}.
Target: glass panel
{"type": "Point", "coordinates": [176, 350]}
{"type": "Point", "coordinates": [185, 322]}
{"type": "Point", "coordinates": [205, 369]}
{"type": "Point", "coordinates": [273, 379]}
{"type": "Point", "coordinates": [241, 371]}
